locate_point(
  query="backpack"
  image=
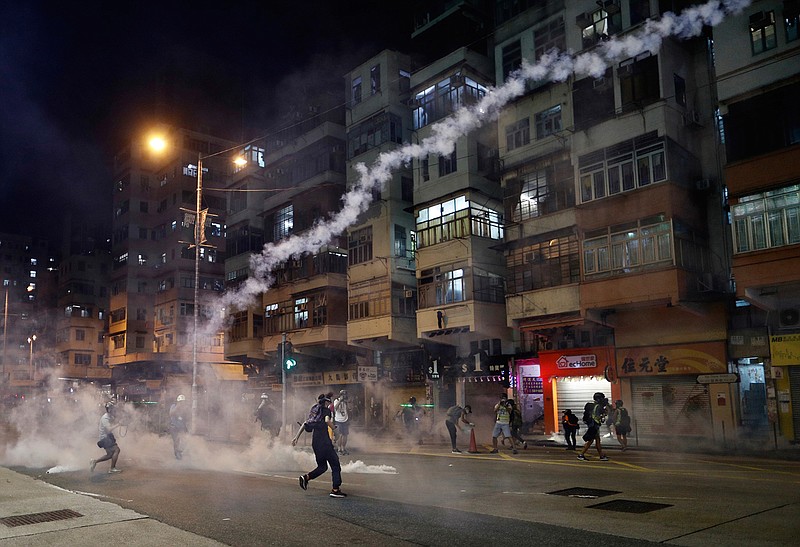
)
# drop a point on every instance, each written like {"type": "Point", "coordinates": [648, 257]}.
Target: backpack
{"type": "Point", "coordinates": [315, 417]}
{"type": "Point", "coordinates": [587, 414]}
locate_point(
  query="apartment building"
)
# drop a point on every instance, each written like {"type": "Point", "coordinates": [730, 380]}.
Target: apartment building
{"type": "Point", "coordinates": [27, 271]}
{"type": "Point", "coordinates": [382, 285]}
{"type": "Point", "coordinates": [616, 260]}
{"type": "Point", "coordinates": [150, 344]}
{"type": "Point", "coordinates": [757, 71]}
{"type": "Point", "coordinates": [307, 302]}
{"type": "Point", "coordinates": [83, 298]}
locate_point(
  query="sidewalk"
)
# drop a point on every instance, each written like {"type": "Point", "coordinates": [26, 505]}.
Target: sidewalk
{"type": "Point", "coordinates": [35, 513]}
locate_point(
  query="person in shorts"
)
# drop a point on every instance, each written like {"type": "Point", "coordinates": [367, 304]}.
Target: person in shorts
{"type": "Point", "coordinates": [107, 440]}
{"type": "Point", "coordinates": [502, 412]}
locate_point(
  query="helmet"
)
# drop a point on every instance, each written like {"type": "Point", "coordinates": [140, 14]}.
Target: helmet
{"type": "Point", "coordinates": [412, 400]}
{"type": "Point", "coordinates": [264, 396]}
{"type": "Point", "coordinates": [109, 406]}
{"type": "Point", "coordinates": [343, 392]}
{"type": "Point", "coordinates": [181, 398]}
{"type": "Point", "coordinates": [599, 397]}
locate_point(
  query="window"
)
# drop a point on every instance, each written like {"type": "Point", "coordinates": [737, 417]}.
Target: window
{"type": "Point", "coordinates": [404, 80]}
{"type": "Point", "coordinates": [680, 89]}
{"type": "Point", "coordinates": [118, 341]}
{"type": "Point", "coordinates": [552, 262]}
{"type": "Point", "coordinates": [457, 218]}
{"type": "Point", "coordinates": [791, 19]}
{"type": "Point", "coordinates": [450, 287]}
{"type": "Point", "coordinates": [407, 189]}
{"type": "Point", "coordinates": [374, 132]}
{"type": "Point", "coordinates": [375, 79]}
{"type": "Point", "coordinates": [518, 134]}
{"type": "Point", "coordinates": [448, 164]}
{"type": "Point", "coordinates": [599, 25]}
{"type": "Point", "coordinates": [80, 335]}
{"type": "Point", "coordinates": [319, 313]}
{"type": "Point", "coordinates": [638, 81]}
{"type": "Point", "coordinates": [534, 192]}
{"type": "Point", "coordinates": [118, 315]}
{"type": "Point", "coordinates": [284, 222]}
{"type": "Point", "coordinates": [83, 359]}
{"type": "Point", "coordinates": [624, 248]}
{"type": "Point", "coordinates": [512, 58]}
{"type": "Point", "coordinates": [356, 97]}
{"type": "Point", "coordinates": [639, 11]}
{"type": "Point", "coordinates": [548, 122]}
{"type": "Point", "coordinates": [622, 167]}
{"type": "Point", "coordinates": [360, 246]}
{"type": "Point", "coordinates": [238, 330]}
{"type": "Point", "coordinates": [593, 100]}
{"type": "Point", "coordinates": [425, 169]}
{"type": "Point", "coordinates": [301, 313]}
{"type": "Point", "coordinates": [767, 220]}
{"type": "Point", "coordinates": [549, 36]}
{"type": "Point", "coordinates": [762, 32]}
{"type": "Point", "coordinates": [399, 241]}
{"type": "Point", "coordinates": [444, 98]}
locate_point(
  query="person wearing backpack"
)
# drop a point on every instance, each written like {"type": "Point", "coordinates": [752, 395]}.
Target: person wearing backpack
{"type": "Point", "coordinates": [319, 419]}
{"type": "Point", "coordinates": [569, 422]}
{"type": "Point", "coordinates": [454, 414]}
{"type": "Point", "coordinates": [594, 415]}
{"type": "Point", "coordinates": [622, 424]}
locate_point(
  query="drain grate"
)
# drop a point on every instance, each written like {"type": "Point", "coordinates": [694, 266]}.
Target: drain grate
{"type": "Point", "coordinates": [37, 518]}
{"type": "Point", "coordinates": [578, 492]}
{"type": "Point", "coordinates": [629, 506]}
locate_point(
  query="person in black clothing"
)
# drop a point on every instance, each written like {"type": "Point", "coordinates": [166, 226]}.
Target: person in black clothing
{"type": "Point", "coordinates": [569, 422]}
{"type": "Point", "coordinates": [317, 424]}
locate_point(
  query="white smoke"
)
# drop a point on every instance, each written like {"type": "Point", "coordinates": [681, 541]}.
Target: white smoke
{"type": "Point", "coordinates": [554, 66]}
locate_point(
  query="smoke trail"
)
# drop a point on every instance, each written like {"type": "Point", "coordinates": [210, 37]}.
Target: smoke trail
{"type": "Point", "coordinates": [554, 66]}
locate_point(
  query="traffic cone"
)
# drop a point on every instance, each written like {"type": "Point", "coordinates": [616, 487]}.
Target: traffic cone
{"type": "Point", "coordinates": [473, 446]}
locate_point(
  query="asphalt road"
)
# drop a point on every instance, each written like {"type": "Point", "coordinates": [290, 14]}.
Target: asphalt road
{"type": "Point", "coordinates": [541, 496]}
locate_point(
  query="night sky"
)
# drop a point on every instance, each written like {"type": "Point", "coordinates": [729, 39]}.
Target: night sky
{"type": "Point", "coordinates": [78, 79]}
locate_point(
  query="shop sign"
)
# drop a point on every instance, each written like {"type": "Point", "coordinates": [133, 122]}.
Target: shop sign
{"type": "Point", "coordinates": [307, 379]}
{"type": "Point", "coordinates": [576, 361]}
{"type": "Point", "coordinates": [368, 374]}
{"type": "Point", "coordinates": [671, 360]}
{"type": "Point", "coordinates": [785, 349]}
{"type": "Point", "coordinates": [728, 378]}
{"type": "Point", "coordinates": [531, 385]}
{"type": "Point", "coordinates": [341, 377]}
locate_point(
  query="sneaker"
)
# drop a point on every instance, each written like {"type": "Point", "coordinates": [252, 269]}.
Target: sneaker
{"type": "Point", "coordinates": [336, 493]}
{"type": "Point", "coordinates": [525, 445]}
{"type": "Point", "coordinates": [603, 458]}
{"type": "Point", "coordinates": [624, 448]}
{"type": "Point", "coordinates": [582, 457]}
{"type": "Point", "coordinates": [92, 465]}
{"type": "Point", "coordinates": [494, 451]}
{"type": "Point", "coordinates": [114, 470]}
{"type": "Point", "coordinates": [303, 482]}
{"type": "Point", "coordinates": [456, 451]}
{"type": "Point", "coordinates": [514, 451]}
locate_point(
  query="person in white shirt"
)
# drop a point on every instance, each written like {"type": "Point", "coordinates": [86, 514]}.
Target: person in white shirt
{"type": "Point", "coordinates": [341, 419]}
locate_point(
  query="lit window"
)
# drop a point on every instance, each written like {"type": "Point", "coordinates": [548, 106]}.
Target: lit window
{"type": "Point", "coordinates": [284, 223]}
{"type": "Point", "coordinates": [357, 90]}
{"type": "Point", "coordinates": [762, 32]}
{"type": "Point", "coordinates": [548, 122]}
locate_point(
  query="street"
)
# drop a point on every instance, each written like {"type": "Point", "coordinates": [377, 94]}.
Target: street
{"type": "Point", "coordinates": [424, 495]}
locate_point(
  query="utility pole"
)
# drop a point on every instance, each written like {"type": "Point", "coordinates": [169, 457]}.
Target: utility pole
{"type": "Point", "coordinates": [283, 385]}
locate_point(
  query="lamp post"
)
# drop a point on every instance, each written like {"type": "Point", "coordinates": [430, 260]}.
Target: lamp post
{"type": "Point", "coordinates": [31, 340]}
{"type": "Point", "coordinates": [158, 144]}
{"type": "Point", "coordinates": [5, 336]}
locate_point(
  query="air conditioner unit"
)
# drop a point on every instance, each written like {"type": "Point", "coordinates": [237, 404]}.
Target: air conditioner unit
{"type": "Point", "coordinates": [692, 117]}
{"type": "Point", "coordinates": [789, 318]}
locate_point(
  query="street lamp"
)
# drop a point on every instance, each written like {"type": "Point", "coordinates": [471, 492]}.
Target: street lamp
{"type": "Point", "coordinates": [31, 340]}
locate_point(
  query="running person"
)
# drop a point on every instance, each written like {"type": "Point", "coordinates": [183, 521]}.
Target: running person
{"type": "Point", "coordinates": [318, 423]}
{"type": "Point", "coordinates": [107, 440]}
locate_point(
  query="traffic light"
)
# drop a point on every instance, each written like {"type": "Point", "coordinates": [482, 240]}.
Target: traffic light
{"type": "Point", "coordinates": [289, 362]}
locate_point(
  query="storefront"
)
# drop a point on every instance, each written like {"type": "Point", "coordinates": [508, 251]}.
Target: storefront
{"type": "Point", "coordinates": [666, 397]}
{"type": "Point", "coordinates": [783, 395]}
{"type": "Point", "coordinates": [570, 377]}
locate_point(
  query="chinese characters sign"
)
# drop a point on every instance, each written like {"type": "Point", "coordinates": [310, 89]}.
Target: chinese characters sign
{"type": "Point", "coordinates": [671, 360]}
{"type": "Point", "coordinates": [531, 384]}
{"type": "Point", "coordinates": [785, 349]}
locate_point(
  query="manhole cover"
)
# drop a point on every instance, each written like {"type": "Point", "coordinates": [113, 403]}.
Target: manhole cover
{"type": "Point", "coordinates": [629, 506]}
{"type": "Point", "coordinates": [578, 492]}
{"type": "Point", "coordinates": [37, 518]}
